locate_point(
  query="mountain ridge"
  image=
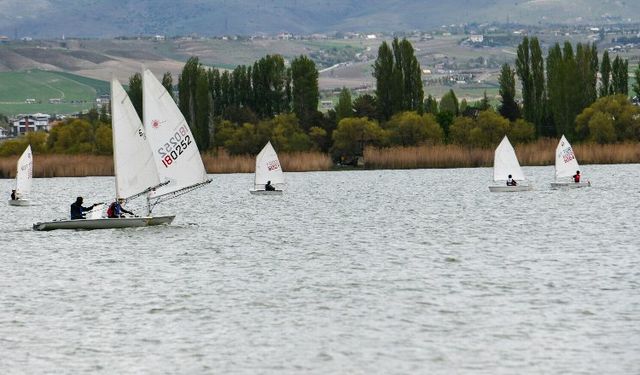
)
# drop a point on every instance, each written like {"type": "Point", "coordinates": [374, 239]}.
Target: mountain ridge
{"type": "Point", "coordinates": [102, 18]}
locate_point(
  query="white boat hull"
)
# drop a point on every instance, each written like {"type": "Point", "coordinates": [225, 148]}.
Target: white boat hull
{"type": "Point", "coordinates": [509, 189]}
{"type": "Point", "coordinates": [569, 185]}
{"type": "Point", "coordinates": [104, 223]}
{"type": "Point", "coordinates": [19, 202]}
{"type": "Point", "coordinates": [265, 192]}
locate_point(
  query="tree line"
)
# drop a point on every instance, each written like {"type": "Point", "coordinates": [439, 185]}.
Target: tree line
{"type": "Point", "coordinates": [569, 92]}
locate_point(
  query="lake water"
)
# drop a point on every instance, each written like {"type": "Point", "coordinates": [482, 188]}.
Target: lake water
{"type": "Point", "coordinates": [359, 272]}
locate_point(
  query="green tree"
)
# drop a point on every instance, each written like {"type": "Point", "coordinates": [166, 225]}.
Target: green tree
{"type": "Point", "coordinates": [431, 105]}
{"type": "Point", "coordinates": [601, 128]}
{"type": "Point", "coordinates": [508, 108]}
{"type": "Point", "coordinates": [489, 130]}
{"type": "Point", "coordinates": [305, 92]}
{"type": "Point", "coordinates": [167, 82]}
{"type": "Point", "coordinates": [354, 134]}
{"type": "Point", "coordinates": [103, 140]}
{"type": "Point", "coordinates": [449, 103]}
{"type": "Point", "coordinates": [383, 73]}
{"type": "Point", "coordinates": [288, 136]}
{"type": "Point", "coordinates": [636, 83]}
{"type": "Point", "coordinates": [365, 106]}
{"type": "Point", "coordinates": [460, 130]}
{"type": "Point", "coordinates": [411, 128]}
{"type": "Point", "coordinates": [521, 131]}
{"type": "Point", "coordinates": [104, 114]}
{"type": "Point", "coordinates": [605, 75]}
{"type": "Point", "coordinates": [523, 69]}
{"type": "Point", "coordinates": [344, 108]}
{"type": "Point", "coordinates": [620, 76]}
{"type": "Point", "coordinates": [135, 92]}
{"type": "Point", "coordinates": [624, 116]}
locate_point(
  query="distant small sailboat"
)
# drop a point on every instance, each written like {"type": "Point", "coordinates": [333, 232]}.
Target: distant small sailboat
{"type": "Point", "coordinates": [268, 168]}
{"type": "Point", "coordinates": [566, 167]}
{"type": "Point", "coordinates": [24, 178]}
{"type": "Point", "coordinates": [159, 160]}
{"type": "Point", "coordinates": [505, 163]}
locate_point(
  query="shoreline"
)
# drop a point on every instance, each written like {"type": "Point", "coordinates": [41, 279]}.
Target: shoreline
{"type": "Point", "coordinates": [540, 153]}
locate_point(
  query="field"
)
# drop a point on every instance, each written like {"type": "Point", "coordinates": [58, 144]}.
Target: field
{"type": "Point", "coordinates": [77, 93]}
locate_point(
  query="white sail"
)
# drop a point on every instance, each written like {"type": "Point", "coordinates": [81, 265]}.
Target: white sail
{"type": "Point", "coordinates": [173, 147]}
{"type": "Point", "coordinates": [24, 174]}
{"type": "Point", "coordinates": [268, 168]}
{"type": "Point", "coordinates": [566, 162]}
{"type": "Point", "coordinates": [505, 163]}
{"type": "Point", "coordinates": [135, 169]}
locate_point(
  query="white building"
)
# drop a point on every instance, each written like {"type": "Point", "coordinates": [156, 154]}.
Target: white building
{"type": "Point", "coordinates": [476, 38]}
{"type": "Point", "coordinates": [34, 122]}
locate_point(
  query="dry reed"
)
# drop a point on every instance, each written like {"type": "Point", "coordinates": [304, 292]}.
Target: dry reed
{"type": "Point", "coordinates": [540, 152]}
{"type": "Point", "coordinates": [291, 162]}
{"type": "Point", "coordinates": [92, 165]}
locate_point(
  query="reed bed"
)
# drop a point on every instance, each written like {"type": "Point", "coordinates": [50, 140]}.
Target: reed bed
{"type": "Point", "coordinates": [541, 152]}
{"type": "Point", "coordinates": [49, 165]}
{"type": "Point", "coordinates": [291, 162]}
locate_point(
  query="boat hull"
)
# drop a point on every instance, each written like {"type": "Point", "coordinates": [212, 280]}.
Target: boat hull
{"type": "Point", "coordinates": [104, 223]}
{"type": "Point", "coordinates": [569, 185]}
{"type": "Point", "coordinates": [509, 189]}
{"type": "Point", "coordinates": [19, 202]}
{"type": "Point", "coordinates": [266, 192]}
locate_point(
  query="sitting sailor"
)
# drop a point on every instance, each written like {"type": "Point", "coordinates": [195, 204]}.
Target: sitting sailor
{"type": "Point", "coordinates": [511, 181]}
{"type": "Point", "coordinates": [269, 187]}
{"type": "Point", "coordinates": [116, 210]}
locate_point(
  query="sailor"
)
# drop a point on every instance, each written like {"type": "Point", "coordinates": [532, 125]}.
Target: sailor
{"type": "Point", "coordinates": [13, 195]}
{"type": "Point", "coordinates": [511, 181]}
{"type": "Point", "coordinates": [77, 210]}
{"type": "Point", "coordinates": [576, 177]}
{"type": "Point", "coordinates": [116, 210]}
{"type": "Point", "coordinates": [269, 187]}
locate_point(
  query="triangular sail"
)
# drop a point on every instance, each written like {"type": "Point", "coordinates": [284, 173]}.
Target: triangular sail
{"type": "Point", "coordinates": [506, 163]}
{"type": "Point", "coordinates": [566, 162]}
{"type": "Point", "coordinates": [268, 168]}
{"type": "Point", "coordinates": [135, 169]}
{"type": "Point", "coordinates": [173, 147]}
{"type": "Point", "coordinates": [24, 174]}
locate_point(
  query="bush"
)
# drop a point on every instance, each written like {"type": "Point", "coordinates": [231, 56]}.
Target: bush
{"type": "Point", "coordinates": [410, 129]}
{"type": "Point", "coordinates": [353, 134]}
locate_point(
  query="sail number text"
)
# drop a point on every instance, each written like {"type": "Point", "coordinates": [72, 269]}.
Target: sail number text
{"type": "Point", "coordinates": [177, 144]}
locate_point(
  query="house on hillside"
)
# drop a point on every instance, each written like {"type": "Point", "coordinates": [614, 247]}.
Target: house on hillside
{"type": "Point", "coordinates": [29, 123]}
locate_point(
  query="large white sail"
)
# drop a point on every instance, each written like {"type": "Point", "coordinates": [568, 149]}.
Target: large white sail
{"type": "Point", "coordinates": [566, 162]}
{"type": "Point", "coordinates": [505, 163]}
{"type": "Point", "coordinates": [268, 168]}
{"type": "Point", "coordinates": [133, 162]}
{"type": "Point", "coordinates": [24, 174]}
{"type": "Point", "coordinates": [173, 147]}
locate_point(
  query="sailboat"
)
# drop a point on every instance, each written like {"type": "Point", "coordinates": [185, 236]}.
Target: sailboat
{"type": "Point", "coordinates": [268, 168]}
{"type": "Point", "coordinates": [24, 176]}
{"type": "Point", "coordinates": [505, 163]}
{"type": "Point", "coordinates": [143, 164]}
{"type": "Point", "coordinates": [566, 167]}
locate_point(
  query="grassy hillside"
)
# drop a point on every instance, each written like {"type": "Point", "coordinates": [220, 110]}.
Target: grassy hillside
{"type": "Point", "coordinates": [78, 93]}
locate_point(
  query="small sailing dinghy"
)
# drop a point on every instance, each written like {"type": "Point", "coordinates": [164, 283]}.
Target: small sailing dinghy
{"type": "Point", "coordinates": [505, 163]}
{"type": "Point", "coordinates": [566, 167]}
{"type": "Point", "coordinates": [268, 169]}
{"type": "Point", "coordinates": [24, 177]}
{"type": "Point", "coordinates": [162, 149]}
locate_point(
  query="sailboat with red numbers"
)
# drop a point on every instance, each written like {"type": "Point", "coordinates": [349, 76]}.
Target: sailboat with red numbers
{"type": "Point", "coordinates": [158, 159]}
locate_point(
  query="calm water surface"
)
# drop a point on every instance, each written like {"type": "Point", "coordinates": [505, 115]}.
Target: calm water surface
{"type": "Point", "coordinates": [386, 272]}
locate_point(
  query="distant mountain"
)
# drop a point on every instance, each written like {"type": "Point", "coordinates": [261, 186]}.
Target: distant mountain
{"type": "Point", "coordinates": [109, 18]}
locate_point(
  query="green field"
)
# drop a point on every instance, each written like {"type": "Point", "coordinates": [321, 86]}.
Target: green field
{"type": "Point", "coordinates": [78, 93]}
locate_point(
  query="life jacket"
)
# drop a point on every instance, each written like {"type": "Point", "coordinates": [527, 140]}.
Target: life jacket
{"type": "Point", "coordinates": [576, 178]}
{"type": "Point", "coordinates": [111, 210]}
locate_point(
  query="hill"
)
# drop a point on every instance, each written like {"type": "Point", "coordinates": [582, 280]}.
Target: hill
{"type": "Point", "coordinates": [74, 93]}
{"type": "Point", "coordinates": [109, 18]}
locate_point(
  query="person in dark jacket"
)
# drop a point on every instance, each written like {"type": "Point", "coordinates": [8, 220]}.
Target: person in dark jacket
{"type": "Point", "coordinates": [269, 187]}
{"type": "Point", "coordinates": [77, 210]}
{"type": "Point", "coordinates": [13, 195]}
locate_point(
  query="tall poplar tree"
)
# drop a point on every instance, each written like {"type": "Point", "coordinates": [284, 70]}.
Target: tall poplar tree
{"type": "Point", "coordinates": [167, 82]}
{"type": "Point", "coordinates": [620, 76]}
{"type": "Point", "coordinates": [383, 73]}
{"type": "Point", "coordinates": [507, 80]}
{"type": "Point", "coordinates": [135, 92]}
{"type": "Point", "coordinates": [305, 92]}
{"type": "Point", "coordinates": [344, 108]}
{"type": "Point", "coordinates": [605, 76]}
